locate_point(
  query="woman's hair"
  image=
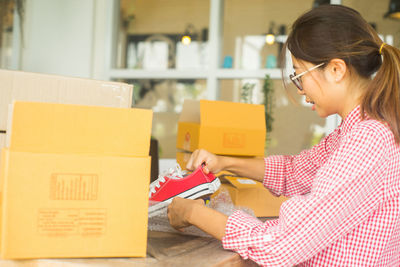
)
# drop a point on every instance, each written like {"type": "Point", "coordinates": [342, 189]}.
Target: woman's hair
{"type": "Point", "coordinates": [336, 31]}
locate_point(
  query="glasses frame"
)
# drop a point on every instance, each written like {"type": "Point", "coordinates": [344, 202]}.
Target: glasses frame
{"type": "Point", "coordinates": [296, 78]}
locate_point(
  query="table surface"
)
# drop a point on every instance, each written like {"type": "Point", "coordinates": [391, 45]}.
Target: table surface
{"type": "Point", "coordinates": [163, 249]}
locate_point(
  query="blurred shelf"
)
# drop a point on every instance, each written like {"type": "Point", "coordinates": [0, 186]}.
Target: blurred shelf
{"type": "Point", "coordinates": [248, 74]}
{"type": "Point", "coordinates": [195, 74]}
{"type": "Point", "coordinates": [158, 74]}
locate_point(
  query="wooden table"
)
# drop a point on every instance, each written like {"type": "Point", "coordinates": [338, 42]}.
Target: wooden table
{"type": "Point", "coordinates": [163, 249]}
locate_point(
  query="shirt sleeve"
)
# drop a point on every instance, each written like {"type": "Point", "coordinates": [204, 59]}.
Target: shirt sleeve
{"type": "Point", "coordinates": [346, 191]}
{"type": "Point", "coordinates": [293, 175]}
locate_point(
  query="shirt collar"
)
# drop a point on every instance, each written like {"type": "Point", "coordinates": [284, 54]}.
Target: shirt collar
{"type": "Point", "coordinates": [351, 119]}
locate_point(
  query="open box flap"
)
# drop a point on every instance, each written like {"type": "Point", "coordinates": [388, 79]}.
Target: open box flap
{"type": "Point", "coordinates": [39, 87]}
{"type": "Point", "coordinates": [190, 111]}
{"type": "Point", "coordinates": [61, 128]}
{"type": "Point", "coordinates": [241, 182]}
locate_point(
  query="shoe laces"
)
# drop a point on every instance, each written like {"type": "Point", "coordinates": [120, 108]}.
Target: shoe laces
{"type": "Point", "coordinates": [175, 172]}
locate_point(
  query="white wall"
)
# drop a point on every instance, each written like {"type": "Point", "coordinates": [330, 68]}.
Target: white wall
{"type": "Point", "coordinates": [64, 37]}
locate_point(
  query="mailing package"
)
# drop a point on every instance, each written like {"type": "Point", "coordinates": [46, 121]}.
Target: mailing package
{"type": "Point", "coordinates": [66, 205]}
{"type": "Point", "coordinates": [26, 86]}
{"type": "Point", "coordinates": [248, 193]}
{"type": "Point", "coordinates": [224, 128]}
{"type": "Point", "coordinates": [88, 203]}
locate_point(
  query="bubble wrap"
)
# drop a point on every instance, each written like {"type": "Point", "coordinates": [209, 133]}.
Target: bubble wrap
{"type": "Point", "coordinates": [222, 202]}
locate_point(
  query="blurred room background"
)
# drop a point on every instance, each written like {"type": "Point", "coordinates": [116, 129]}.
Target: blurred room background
{"type": "Point", "coordinates": [176, 49]}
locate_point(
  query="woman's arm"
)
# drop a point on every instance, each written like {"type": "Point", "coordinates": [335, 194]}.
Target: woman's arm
{"type": "Point", "coordinates": [347, 191]}
{"type": "Point", "coordinates": [185, 212]}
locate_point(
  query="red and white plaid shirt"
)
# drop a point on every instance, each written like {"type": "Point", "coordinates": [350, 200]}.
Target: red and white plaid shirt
{"type": "Point", "coordinates": [344, 208]}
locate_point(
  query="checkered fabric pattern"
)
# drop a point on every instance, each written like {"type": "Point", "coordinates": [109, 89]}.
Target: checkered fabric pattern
{"type": "Point", "coordinates": [344, 208]}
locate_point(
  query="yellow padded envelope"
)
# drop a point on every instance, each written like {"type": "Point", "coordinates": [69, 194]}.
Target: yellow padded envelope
{"type": "Point", "coordinates": [60, 128]}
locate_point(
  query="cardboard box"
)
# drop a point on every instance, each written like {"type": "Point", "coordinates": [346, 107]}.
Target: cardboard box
{"type": "Point", "coordinates": [84, 204]}
{"type": "Point", "coordinates": [224, 128]}
{"type": "Point", "coordinates": [61, 128]}
{"type": "Point", "coordinates": [252, 194]}
{"type": "Point", "coordinates": [26, 86]}
{"type": "Point", "coordinates": [68, 205]}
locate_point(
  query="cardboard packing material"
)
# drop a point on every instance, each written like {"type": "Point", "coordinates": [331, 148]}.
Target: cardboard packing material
{"type": "Point", "coordinates": [90, 201]}
{"type": "Point", "coordinates": [224, 128]}
{"type": "Point", "coordinates": [245, 192]}
{"type": "Point", "coordinates": [79, 129]}
{"type": "Point", "coordinates": [26, 86]}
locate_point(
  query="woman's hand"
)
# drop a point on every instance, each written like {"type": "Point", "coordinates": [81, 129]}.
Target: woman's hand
{"type": "Point", "coordinates": [245, 167]}
{"type": "Point", "coordinates": [185, 212]}
{"type": "Point", "coordinates": [212, 161]}
{"type": "Point", "coordinates": [180, 212]}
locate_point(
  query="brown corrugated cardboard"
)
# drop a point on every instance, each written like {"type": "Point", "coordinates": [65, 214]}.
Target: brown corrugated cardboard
{"type": "Point", "coordinates": [86, 202]}
{"type": "Point", "coordinates": [252, 194]}
{"type": "Point", "coordinates": [26, 86]}
{"type": "Point", "coordinates": [224, 128]}
{"type": "Point", "coordinates": [71, 205]}
{"type": "Point", "coordinates": [61, 128]}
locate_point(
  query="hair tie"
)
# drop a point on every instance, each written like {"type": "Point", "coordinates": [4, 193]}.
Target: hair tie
{"type": "Point", "coordinates": [380, 49]}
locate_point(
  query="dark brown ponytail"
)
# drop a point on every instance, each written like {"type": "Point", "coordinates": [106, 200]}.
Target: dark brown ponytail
{"type": "Point", "coordinates": [336, 31]}
{"type": "Point", "coordinates": [381, 100]}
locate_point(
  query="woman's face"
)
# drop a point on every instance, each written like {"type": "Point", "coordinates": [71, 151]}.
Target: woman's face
{"type": "Point", "coordinates": [317, 89]}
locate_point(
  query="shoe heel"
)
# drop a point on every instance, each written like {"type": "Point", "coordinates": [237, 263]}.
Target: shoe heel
{"type": "Point", "coordinates": [214, 185]}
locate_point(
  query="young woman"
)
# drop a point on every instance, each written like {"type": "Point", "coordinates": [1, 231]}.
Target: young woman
{"type": "Point", "coordinates": [344, 208]}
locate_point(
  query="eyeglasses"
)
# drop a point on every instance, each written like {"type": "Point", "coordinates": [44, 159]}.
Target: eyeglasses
{"type": "Point", "coordinates": [296, 78]}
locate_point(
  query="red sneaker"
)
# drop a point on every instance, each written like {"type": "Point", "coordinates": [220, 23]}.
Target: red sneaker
{"type": "Point", "coordinates": [178, 183]}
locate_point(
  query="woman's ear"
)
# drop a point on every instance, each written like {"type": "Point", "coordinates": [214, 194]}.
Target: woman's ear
{"type": "Point", "coordinates": [337, 69]}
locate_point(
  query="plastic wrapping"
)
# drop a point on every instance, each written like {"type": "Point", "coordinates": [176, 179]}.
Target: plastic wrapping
{"type": "Point", "coordinates": [221, 202]}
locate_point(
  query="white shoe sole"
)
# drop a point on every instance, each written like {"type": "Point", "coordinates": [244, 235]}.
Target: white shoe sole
{"type": "Point", "coordinates": [193, 193]}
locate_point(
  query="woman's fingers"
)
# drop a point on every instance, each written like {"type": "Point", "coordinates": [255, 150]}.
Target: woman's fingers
{"type": "Point", "coordinates": [201, 156]}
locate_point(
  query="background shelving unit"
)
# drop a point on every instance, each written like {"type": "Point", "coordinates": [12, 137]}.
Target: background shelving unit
{"type": "Point", "coordinates": [213, 74]}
